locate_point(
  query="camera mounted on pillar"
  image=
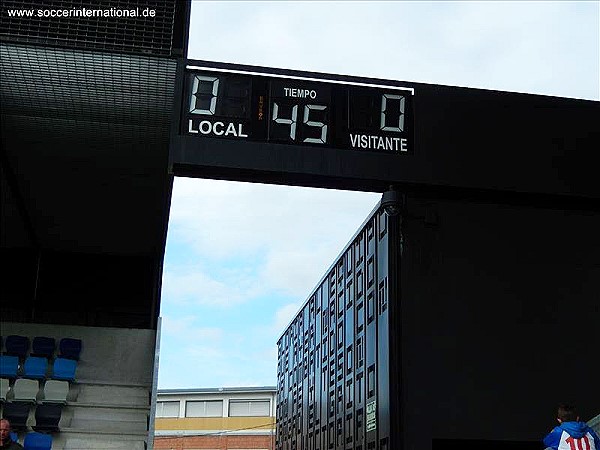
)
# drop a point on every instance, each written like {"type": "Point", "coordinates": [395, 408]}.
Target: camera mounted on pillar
{"type": "Point", "coordinates": [391, 202]}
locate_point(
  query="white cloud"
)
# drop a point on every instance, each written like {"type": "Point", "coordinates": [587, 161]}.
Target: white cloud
{"type": "Point", "coordinates": [217, 363]}
{"type": "Point", "coordinates": [535, 47]}
{"type": "Point", "coordinates": [221, 356]}
{"type": "Point", "coordinates": [223, 219]}
{"type": "Point", "coordinates": [539, 47]}
{"type": "Point", "coordinates": [296, 271]}
{"type": "Point", "coordinates": [284, 315]}
{"type": "Point", "coordinates": [194, 286]}
{"type": "Point", "coordinates": [288, 235]}
{"type": "Point", "coordinates": [185, 328]}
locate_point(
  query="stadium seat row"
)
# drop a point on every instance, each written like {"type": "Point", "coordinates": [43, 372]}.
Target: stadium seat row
{"type": "Point", "coordinates": [16, 345]}
{"type": "Point", "coordinates": [47, 415]}
{"type": "Point", "coordinates": [35, 441]}
{"type": "Point", "coordinates": [25, 390]}
{"type": "Point", "coordinates": [36, 367]}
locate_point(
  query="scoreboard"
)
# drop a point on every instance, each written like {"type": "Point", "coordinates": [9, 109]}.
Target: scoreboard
{"type": "Point", "coordinates": [271, 125]}
{"type": "Point", "coordinates": [271, 108]}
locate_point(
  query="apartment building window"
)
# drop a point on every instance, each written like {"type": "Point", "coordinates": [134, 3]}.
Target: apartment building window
{"type": "Point", "coordinates": [167, 409]}
{"type": "Point", "coordinates": [245, 408]}
{"type": "Point", "coordinates": [204, 408]}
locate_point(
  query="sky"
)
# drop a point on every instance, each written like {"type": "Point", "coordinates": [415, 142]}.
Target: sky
{"type": "Point", "coordinates": [241, 258]}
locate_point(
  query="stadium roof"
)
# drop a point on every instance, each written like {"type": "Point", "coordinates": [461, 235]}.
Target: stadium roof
{"type": "Point", "coordinates": [86, 109]}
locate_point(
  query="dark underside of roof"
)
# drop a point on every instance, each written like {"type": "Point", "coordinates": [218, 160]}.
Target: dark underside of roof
{"type": "Point", "coordinates": [86, 109]}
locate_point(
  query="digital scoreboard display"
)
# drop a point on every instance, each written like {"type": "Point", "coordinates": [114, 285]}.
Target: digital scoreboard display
{"type": "Point", "coordinates": [297, 111]}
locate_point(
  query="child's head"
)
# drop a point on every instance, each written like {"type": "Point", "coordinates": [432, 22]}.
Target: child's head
{"type": "Point", "coordinates": [567, 413]}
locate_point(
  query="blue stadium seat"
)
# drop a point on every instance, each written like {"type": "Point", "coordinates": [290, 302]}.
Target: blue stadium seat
{"type": "Point", "coordinates": [9, 366]}
{"type": "Point", "coordinates": [47, 416]}
{"type": "Point", "coordinates": [35, 367]}
{"type": "Point", "coordinates": [64, 369]}
{"type": "Point", "coordinates": [37, 441]}
{"type": "Point", "coordinates": [17, 414]}
{"type": "Point", "coordinates": [43, 346]}
{"type": "Point", "coordinates": [14, 436]}
{"type": "Point", "coordinates": [17, 345]}
{"type": "Point", "coordinates": [69, 348]}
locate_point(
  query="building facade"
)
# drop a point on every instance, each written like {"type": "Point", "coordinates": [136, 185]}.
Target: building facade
{"type": "Point", "coordinates": [333, 371]}
{"type": "Point", "coordinates": [418, 337]}
{"type": "Point", "coordinates": [215, 419]}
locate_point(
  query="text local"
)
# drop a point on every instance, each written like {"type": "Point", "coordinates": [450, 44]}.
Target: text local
{"type": "Point", "coordinates": [217, 128]}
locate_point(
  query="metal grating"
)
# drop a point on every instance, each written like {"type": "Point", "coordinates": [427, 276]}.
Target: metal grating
{"type": "Point", "coordinates": [100, 123]}
{"type": "Point", "coordinates": [80, 139]}
{"type": "Point", "coordinates": [81, 86]}
{"type": "Point", "coordinates": [110, 29]}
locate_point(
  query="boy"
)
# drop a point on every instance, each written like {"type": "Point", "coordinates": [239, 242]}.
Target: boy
{"type": "Point", "coordinates": [571, 434]}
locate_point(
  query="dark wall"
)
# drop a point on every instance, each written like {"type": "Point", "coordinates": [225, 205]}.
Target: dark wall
{"type": "Point", "coordinates": [78, 288]}
{"type": "Point", "coordinates": [17, 289]}
{"type": "Point", "coordinates": [478, 444]}
{"type": "Point", "coordinates": [500, 312]}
